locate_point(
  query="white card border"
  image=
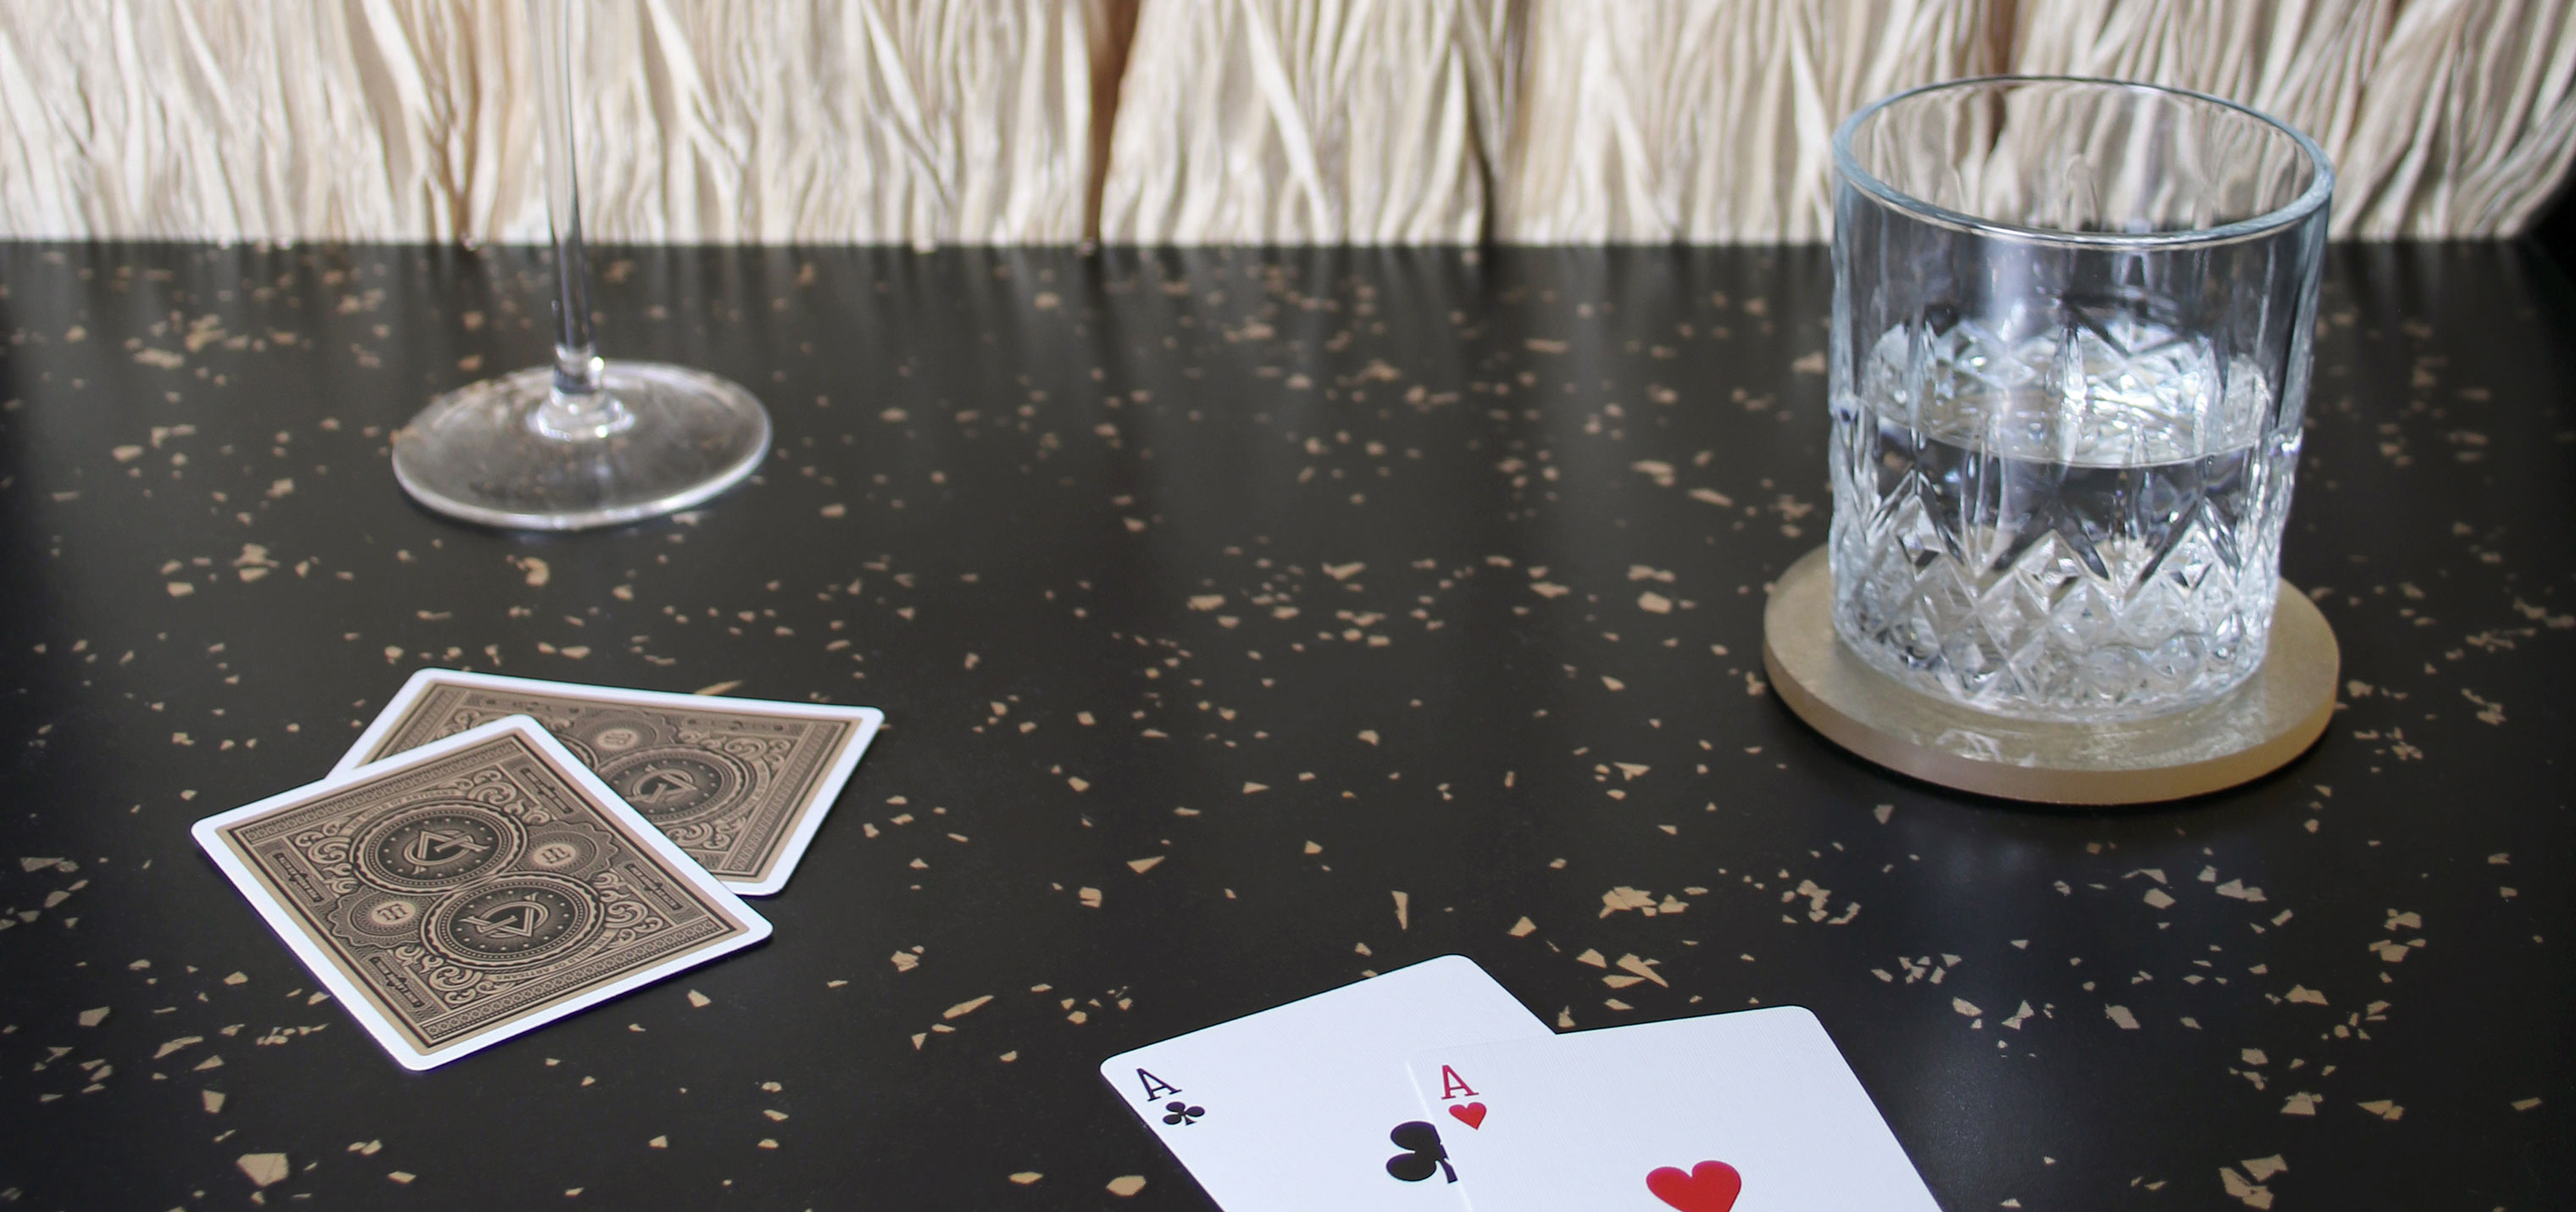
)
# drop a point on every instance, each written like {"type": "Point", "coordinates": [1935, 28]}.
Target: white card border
{"type": "Point", "coordinates": [826, 792]}
{"type": "Point", "coordinates": [356, 1001]}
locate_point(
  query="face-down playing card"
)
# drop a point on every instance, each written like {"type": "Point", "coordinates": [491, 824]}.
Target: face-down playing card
{"type": "Point", "coordinates": [473, 888]}
{"type": "Point", "coordinates": [741, 784]}
{"type": "Point", "coordinates": [1306, 1106]}
{"type": "Point", "coordinates": [1753, 1111]}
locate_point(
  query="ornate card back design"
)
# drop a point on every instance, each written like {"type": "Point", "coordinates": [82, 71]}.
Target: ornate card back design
{"type": "Point", "coordinates": [728, 787]}
{"type": "Point", "coordinates": [476, 888]}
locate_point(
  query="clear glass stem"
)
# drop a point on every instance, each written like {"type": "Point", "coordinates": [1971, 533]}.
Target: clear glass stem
{"type": "Point", "coordinates": [580, 407]}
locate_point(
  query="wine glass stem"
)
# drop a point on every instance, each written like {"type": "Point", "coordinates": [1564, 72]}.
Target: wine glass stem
{"type": "Point", "coordinates": [580, 406]}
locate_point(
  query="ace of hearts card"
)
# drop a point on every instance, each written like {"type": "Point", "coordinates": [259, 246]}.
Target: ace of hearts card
{"type": "Point", "coordinates": [1753, 1111]}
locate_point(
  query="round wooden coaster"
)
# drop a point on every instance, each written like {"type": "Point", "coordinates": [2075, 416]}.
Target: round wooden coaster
{"type": "Point", "coordinates": [2253, 731]}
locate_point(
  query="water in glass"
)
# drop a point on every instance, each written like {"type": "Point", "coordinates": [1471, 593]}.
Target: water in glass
{"type": "Point", "coordinates": [2084, 519]}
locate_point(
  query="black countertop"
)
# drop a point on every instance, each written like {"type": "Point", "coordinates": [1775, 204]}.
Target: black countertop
{"type": "Point", "coordinates": [1247, 621]}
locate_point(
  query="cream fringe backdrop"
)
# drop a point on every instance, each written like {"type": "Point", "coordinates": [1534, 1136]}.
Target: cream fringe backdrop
{"type": "Point", "coordinates": [1185, 121]}
{"type": "Point", "coordinates": [706, 120]}
{"type": "Point", "coordinates": [1671, 120]}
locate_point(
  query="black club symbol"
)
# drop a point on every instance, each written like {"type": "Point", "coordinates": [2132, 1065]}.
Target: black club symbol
{"type": "Point", "coordinates": [1178, 1112]}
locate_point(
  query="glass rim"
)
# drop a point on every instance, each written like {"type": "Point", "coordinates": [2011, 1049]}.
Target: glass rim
{"type": "Point", "coordinates": [2320, 184]}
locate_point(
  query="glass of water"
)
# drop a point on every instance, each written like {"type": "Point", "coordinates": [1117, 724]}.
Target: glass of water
{"type": "Point", "coordinates": [2070, 357]}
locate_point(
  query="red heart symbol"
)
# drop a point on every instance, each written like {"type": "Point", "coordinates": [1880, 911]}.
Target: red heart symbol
{"type": "Point", "coordinates": [1711, 1186]}
{"type": "Point", "coordinates": [1470, 1114]}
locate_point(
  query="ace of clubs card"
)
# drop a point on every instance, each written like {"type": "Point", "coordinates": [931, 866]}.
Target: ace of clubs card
{"type": "Point", "coordinates": [1306, 1105]}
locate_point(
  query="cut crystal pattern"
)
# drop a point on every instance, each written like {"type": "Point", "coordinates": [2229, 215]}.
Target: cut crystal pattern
{"type": "Point", "coordinates": [2083, 522]}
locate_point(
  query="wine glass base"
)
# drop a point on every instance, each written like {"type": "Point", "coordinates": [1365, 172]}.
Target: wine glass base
{"type": "Point", "coordinates": [475, 454]}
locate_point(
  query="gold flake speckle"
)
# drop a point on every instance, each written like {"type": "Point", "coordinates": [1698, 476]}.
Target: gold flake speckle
{"type": "Point", "coordinates": [264, 1169]}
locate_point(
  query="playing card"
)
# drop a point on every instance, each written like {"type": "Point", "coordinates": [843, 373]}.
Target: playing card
{"type": "Point", "coordinates": [1752, 1111]}
{"type": "Point", "coordinates": [473, 888]}
{"type": "Point", "coordinates": [741, 784]}
{"type": "Point", "coordinates": [1306, 1106]}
